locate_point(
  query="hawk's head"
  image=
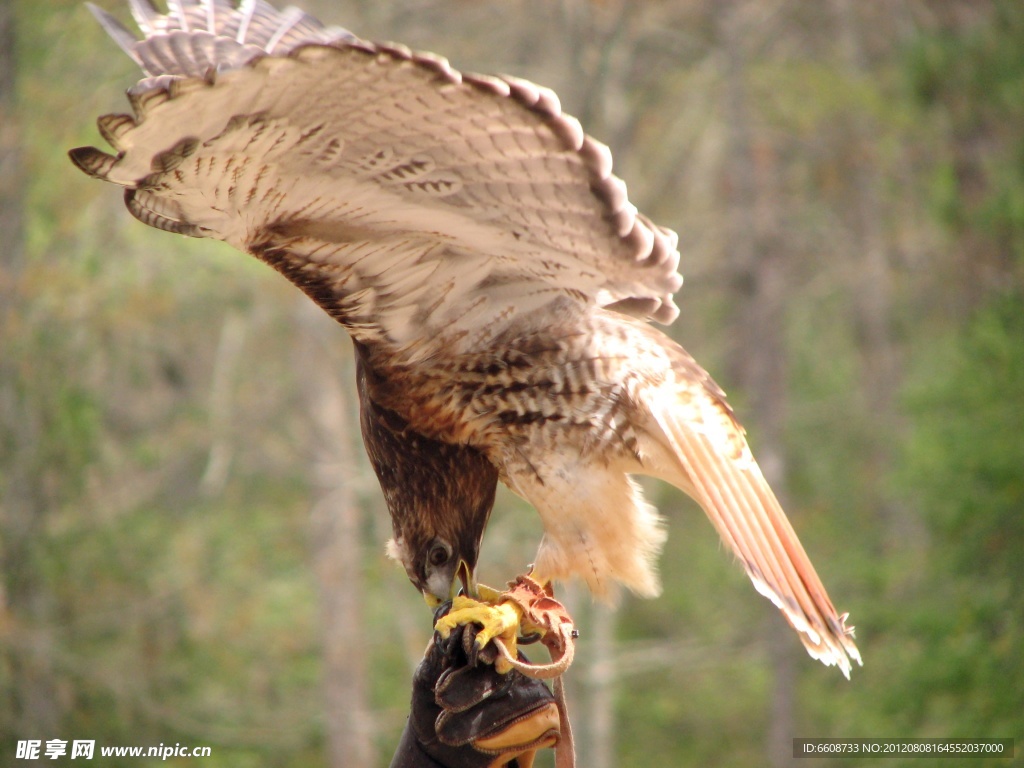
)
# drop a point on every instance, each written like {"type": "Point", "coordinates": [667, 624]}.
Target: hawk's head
{"type": "Point", "coordinates": [439, 496]}
{"type": "Point", "coordinates": [437, 538]}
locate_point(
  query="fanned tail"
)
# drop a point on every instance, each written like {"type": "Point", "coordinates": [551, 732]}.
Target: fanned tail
{"type": "Point", "coordinates": [715, 466]}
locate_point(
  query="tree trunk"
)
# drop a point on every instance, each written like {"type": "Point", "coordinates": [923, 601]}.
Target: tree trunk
{"type": "Point", "coordinates": [600, 709]}
{"type": "Point", "coordinates": [872, 298]}
{"type": "Point", "coordinates": [335, 522]}
{"type": "Point", "coordinates": [759, 357]}
{"type": "Point", "coordinates": [222, 412]}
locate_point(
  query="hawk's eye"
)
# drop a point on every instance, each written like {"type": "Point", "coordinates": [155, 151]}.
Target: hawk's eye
{"type": "Point", "coordinates": [438, 553]}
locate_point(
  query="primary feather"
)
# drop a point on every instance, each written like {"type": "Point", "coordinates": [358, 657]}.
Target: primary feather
{"type": "Point", "coordinates": [477, 247]}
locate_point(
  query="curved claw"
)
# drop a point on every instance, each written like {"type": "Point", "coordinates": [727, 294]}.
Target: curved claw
{"type": "Point", "coordinates": [500, 620]}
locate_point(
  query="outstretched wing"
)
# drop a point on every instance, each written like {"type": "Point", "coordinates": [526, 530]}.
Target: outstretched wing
{"type": "Point", "coordinates": [419, 206]}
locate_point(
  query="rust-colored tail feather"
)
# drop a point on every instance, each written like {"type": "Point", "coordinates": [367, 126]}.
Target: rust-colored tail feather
{"type": "Point", "coordinates": [716, 463]}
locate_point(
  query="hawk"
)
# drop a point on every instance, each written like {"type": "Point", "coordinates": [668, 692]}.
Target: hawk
{"type": "Point", "coordinates": [497, 283]}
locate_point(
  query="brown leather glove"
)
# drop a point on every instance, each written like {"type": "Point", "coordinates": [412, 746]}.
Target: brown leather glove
{"type": "Point", "coordinates": [466, 715]}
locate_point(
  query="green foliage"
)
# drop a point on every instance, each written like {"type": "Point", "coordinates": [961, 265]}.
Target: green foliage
{"type": "Point", "coordinates": [168, 612]}
{"type": "Point", "coordinates": [974, 78]}
{"type": "Point", "coordinates": [964, 461]}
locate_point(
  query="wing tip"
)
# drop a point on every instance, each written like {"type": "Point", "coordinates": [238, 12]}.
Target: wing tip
{"type": "Point", "coordinates": [136, 201]}
{"type": "Point", "coordinates": [112, 127]}
{"type": "Point", "coordinates": [93, 162]}
{"type": "Point", "coordinates": [832, 648]}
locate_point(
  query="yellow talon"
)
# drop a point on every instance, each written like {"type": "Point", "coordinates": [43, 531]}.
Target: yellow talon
{"type": "Point", "coordinates": [497, 616]}
{"type": "Point", "coordinates": [501, 621]}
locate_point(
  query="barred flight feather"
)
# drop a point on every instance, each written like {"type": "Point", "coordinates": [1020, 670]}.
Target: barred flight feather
{"type": "Point", "coordinates": [492, 272]}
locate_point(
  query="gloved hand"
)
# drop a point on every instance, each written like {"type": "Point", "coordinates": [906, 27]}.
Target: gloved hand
{"type": "Point", "coordinates": [466, 715]}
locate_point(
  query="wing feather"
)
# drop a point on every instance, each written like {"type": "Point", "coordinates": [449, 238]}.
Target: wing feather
{"type": "Point", "coordinates": [338, 146]}
{"type": "Point", "coordinates": [714, 464]}
{"type": "Point", "coordinates": [428, 211]}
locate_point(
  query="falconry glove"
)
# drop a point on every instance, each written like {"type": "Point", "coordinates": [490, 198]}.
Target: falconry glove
{"type": "Point", "coordinates": [466, 715]}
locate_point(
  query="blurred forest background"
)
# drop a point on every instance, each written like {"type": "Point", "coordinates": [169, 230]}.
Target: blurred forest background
{"type": "Point", "coordinates": [192, 541]}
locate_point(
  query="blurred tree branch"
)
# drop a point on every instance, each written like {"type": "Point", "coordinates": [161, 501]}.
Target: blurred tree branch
{"type": "Point", "coordinates": [335, 535]}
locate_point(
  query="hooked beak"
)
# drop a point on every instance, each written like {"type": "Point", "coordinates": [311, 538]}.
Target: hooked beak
{"type": "Point", "coordinates": [468, 579]}
{"type": "Point", "coordinates": [463, 583]}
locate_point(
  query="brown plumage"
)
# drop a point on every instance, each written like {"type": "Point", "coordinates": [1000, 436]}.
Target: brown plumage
{"type": "Point", "coordinates": [439, 494]}
{"type": "Point", "coordinates": [492, 272]}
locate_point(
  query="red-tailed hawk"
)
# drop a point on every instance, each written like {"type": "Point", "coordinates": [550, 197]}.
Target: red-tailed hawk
{"type": "Point", "coordinates": [492, 273]}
